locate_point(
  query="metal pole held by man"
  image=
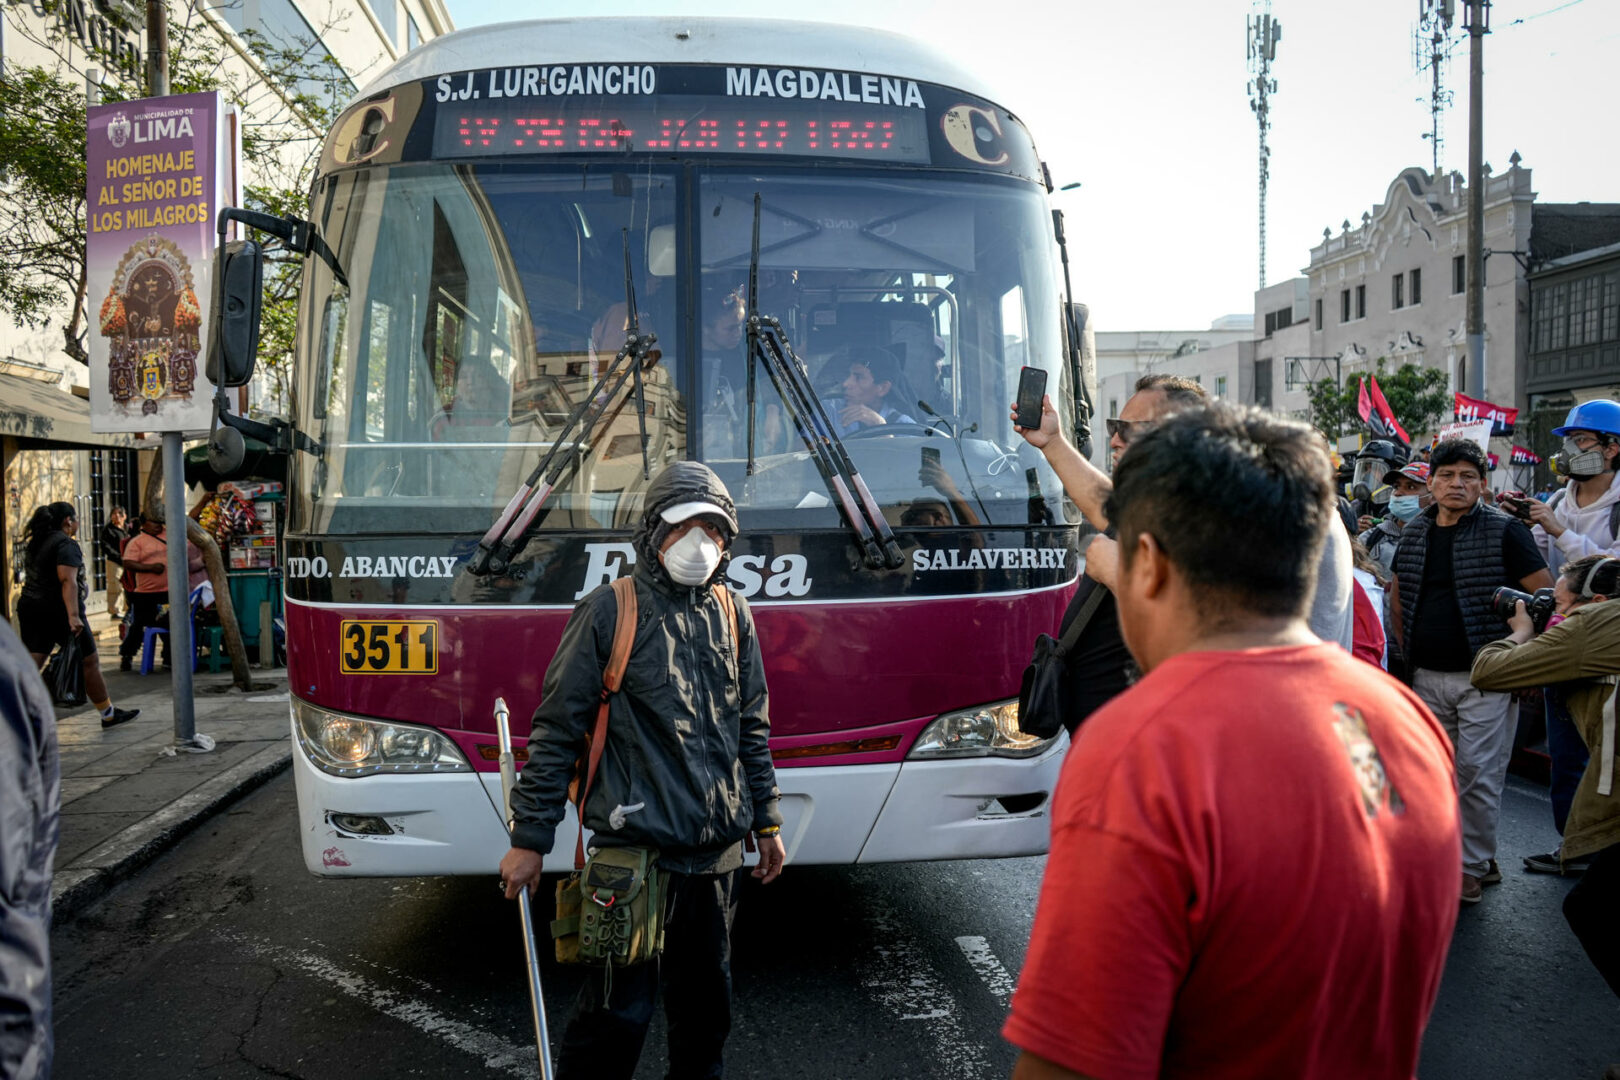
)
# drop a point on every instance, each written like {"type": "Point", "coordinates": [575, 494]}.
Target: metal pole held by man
{"type": "Point", "coordinates": [537, 1003]}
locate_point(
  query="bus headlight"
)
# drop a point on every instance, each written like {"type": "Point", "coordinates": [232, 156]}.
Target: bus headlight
{"type": "Point", "coordinates": [988, 731]}
{"type": "Point", "coordinates": [353, 746]}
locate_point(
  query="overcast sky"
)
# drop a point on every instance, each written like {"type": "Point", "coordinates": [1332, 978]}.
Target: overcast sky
{"type": "Point", "coordinates": [1146, 106]}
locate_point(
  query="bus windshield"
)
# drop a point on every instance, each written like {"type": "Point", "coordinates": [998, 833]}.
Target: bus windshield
{"type": "Point", "coordinates": [484, 299]}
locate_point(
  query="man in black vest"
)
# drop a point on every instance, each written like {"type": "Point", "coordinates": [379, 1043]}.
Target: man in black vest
{"type": "Point", "coordinates": [1451, 560]}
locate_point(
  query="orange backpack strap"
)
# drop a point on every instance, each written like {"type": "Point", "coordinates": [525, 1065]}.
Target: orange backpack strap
{"type": "Point", "coordinates": [728, 604]}
{"type": "Point", "coordinates": [624, 635]}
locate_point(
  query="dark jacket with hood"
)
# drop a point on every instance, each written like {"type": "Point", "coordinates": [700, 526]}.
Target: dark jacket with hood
{"type": "Point", "coordinates": [687, 763]}
{"type": "Point", "coordinates": [30, 798]}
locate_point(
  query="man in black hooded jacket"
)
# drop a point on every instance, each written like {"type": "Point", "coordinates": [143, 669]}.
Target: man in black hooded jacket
{"type": "Point", "coordinates": [686, 770]}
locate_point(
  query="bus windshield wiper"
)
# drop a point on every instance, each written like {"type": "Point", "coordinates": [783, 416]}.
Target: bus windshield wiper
{"type": "Point", "coordinates": [511, 530]}
{"type": "Point", "coordinates": [768, 347]}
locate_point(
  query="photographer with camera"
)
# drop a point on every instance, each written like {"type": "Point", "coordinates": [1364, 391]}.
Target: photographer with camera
{"type": "Point", "coordinates": [1584, 651]}
{"type": "Point", "coordinates": [1451, 560]}
{"type": "Point", "coordinates": [1580, 520]}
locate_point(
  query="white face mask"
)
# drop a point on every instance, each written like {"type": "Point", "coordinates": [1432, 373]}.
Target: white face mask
{"type": "Point", "coordinates": [693, 558]}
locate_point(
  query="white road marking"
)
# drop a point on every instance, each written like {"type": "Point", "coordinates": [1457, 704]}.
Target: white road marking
{"type": "Point", "coordinates": [497, 1054]}
{"type": "Point", "coordinates": [996, 977]}
{"type": "Point", "coordinates": [900, 976]}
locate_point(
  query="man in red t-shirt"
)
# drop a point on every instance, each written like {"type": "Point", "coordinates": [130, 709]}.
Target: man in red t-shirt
{"type": "Point", "coordinates": [1252, 869]}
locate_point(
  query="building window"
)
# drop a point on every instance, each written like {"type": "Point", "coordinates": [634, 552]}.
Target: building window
{"type": "Point", "coordinates": [1220, 386]}
{"type": "Point", "coordinates": [387, 12]}
{"type": "Point", "coordinates": [1417, 287]}
{"type": "Point", "coordinates": [1318, 323]}
{"type": "Point", "coordinates": [1397, 291]}
{"type": "Point", "coordinates": [1262, 383]}
{"type": "Point", "coordinates": [1611, 307]}
{"type": "Point", "coordinates": [281, 26]}
{"type": "Point", "coordinates": [413, 36]}
{"type": "Point", "coordinates": [1361, 301]}
{"type": "Point", "coordinates": [1113, 406]}
{"type": "Point", "coordinates": [1558, 315]}
{"type": "Point", "coordinates": [1344, 305]}
{"type": "Point", "coordinates": [1459, 274]}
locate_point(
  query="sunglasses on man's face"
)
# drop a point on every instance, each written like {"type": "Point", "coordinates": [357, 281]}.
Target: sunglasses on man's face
{"type": "Point", "coordinates": [1124, 430]}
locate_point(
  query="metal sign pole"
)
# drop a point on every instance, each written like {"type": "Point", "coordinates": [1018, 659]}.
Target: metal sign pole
{"type": "Point", "coordinates": [181, 649]}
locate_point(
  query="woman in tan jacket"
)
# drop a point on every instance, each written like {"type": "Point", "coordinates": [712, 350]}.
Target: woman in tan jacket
{"type": "Point", "coordinates": [1583, 650]}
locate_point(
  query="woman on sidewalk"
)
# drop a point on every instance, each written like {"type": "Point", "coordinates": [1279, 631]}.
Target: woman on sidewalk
{"type": "Point", "coordinates": [50, 611]}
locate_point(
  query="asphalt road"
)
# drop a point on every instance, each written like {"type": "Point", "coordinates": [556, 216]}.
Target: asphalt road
{"type": "Point", "coordinates": [225, 959]}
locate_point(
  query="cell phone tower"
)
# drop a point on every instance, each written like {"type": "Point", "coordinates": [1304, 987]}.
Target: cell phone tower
{"type": "Point", "coordinates": [1430, 50]}
{"type": "Point", "coordinates": [1264, 33]}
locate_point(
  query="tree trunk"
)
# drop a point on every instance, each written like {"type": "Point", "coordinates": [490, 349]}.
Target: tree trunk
{"type": "Point", "coordinates": [215, 565]}
{"type": "Point", "coordinates": [152, 507]}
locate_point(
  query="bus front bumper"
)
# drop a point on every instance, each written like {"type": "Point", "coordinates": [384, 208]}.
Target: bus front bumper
{"type": "Point", "coordinates": [450, 824]}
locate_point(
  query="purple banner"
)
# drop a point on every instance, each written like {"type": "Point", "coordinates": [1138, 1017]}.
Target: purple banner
{"type": "Point", "coordinates": [153, 188]}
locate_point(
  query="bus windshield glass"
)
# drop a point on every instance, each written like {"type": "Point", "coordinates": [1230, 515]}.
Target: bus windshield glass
{"type": "Point", "coordinates": [484, 299]}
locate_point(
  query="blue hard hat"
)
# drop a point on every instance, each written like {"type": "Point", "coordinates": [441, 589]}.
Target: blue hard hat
{"type": "Point", "coordinates": [1600, 415]}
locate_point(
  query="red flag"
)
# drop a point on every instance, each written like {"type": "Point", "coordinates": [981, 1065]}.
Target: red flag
{"type": "Point", "coordinates": [1386, 416]}
{"type": "Point", "coordinates": [1363, 403]}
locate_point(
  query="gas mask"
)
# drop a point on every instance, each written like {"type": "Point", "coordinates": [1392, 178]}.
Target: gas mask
{"type": "Point", "coordinates": [693, 559]}
{"type": "Point", "coordinates": [1578, 464]}
{"type": "Point", "coordinates": [1367, 483]}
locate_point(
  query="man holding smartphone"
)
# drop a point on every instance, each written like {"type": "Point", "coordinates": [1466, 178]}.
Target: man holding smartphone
{"type": "Point", "coordinates": [1099, 666]}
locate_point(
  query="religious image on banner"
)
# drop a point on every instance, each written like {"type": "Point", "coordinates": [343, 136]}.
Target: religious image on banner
{"type": "Point", "coordinates": [1502, 418]}
{"type": "Point", "coordinates": [151, 317]}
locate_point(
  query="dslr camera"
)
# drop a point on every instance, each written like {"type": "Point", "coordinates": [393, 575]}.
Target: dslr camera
{"type": "Point", "coordinates": [1538, 605]}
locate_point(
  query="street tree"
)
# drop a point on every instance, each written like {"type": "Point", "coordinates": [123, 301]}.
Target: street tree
{"type": "Point", "coordinates": [287, 93]}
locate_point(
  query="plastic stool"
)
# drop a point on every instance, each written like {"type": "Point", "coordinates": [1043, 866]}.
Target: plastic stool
{"type": "Point", "coordinates": [149, 646]}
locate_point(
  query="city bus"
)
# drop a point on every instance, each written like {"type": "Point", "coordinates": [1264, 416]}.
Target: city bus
{"type": "Point", "coordinates": [492, 219]}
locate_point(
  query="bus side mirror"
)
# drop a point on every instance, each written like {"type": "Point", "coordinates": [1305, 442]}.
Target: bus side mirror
{"type": "Point", "coordinates": [233, 340]}
{"type": "Point", "coordinates": [1082, 366]}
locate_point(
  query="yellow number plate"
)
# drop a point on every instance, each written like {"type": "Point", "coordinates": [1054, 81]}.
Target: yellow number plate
{"type": "Point", "coordinates": [390, 648]}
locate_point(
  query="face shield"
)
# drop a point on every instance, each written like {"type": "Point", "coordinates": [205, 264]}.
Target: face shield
{"type": "Point", "coordinates": [1367, 482]}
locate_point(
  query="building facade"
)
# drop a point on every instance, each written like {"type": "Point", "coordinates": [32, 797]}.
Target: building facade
{"type": "Point", "coordinates": [47, 451]}
{"type": "Point", "coordinates": [1574, 339]}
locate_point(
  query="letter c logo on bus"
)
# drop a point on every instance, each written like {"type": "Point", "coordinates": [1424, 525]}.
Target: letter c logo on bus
{"type": "Point", "coordinates": [357, 138]}
{"type": "Point", "coordinates": [966, 127]}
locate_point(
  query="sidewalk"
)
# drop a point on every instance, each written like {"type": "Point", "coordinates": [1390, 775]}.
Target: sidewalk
{"type": "Point", "coordinates": [124, 802]}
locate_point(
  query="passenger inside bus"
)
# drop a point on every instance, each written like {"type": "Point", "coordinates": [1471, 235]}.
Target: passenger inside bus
{"type": "Point", "coordinates": [724, 365]}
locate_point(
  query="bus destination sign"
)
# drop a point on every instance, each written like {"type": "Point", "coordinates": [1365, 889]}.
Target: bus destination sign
{"type": "Point", "coordinates": [763, 111]}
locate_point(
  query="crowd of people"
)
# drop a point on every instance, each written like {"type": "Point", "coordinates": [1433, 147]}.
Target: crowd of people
{"type": "Point", "coordinates": [1246, 891]}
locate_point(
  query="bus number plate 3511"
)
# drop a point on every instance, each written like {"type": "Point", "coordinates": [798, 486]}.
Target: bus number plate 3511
{"type": "Point", "coordinates": [390, 648]}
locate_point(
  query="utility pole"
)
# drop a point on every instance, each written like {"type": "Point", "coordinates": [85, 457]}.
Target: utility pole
{"type": "Point", "coordinates": [181, 648]}
{"type": "Point", "coordinates": [1479, 24]}
{"type": "Point", "coordinates": [1264, 32]}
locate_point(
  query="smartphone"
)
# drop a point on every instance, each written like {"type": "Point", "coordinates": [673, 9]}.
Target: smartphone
{"type": "Point", "coordinates": [930, 454]}
{"type": "Point", "coordinates": [1031, 388]}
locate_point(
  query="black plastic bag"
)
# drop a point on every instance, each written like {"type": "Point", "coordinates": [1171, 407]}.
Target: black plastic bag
{"type": "Point", "coordinates": [64, 674]}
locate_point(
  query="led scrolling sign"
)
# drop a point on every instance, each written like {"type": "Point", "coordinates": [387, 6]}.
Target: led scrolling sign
{"type": "Point", "coordinates": [681, 123]}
